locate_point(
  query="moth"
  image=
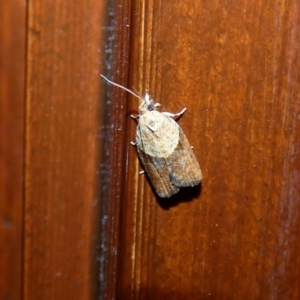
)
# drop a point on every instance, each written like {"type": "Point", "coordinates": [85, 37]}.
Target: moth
{"type": "Point", "coordinates": [163, 148]}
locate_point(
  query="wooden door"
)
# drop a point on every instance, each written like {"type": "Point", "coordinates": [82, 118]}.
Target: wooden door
{"type": "Point", "coordinates": [77, 219]}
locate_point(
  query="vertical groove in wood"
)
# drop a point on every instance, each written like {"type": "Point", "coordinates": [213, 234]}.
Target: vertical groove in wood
{"type": "Point", "coordinates": [62, 149]}
{"type": "Point", "coordinates": [12, 69]}
{"type": "Point", "coordinates": [115, 154]}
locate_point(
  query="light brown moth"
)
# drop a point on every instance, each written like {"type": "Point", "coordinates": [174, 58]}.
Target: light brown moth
{"type": "Point", "coordinates": [163, 148]}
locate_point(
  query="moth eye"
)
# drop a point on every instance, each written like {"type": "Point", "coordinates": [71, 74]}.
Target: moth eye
{"type": "Point", "coordinates": [150, 107]}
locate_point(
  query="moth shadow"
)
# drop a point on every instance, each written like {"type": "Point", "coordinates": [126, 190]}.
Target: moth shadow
{"type": "Point", "coordinates": [186, 194]}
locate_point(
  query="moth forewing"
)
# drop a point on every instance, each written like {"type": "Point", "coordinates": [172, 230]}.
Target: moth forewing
{"type": "Point", "coordinates": [166, 154]}
{"type": "Point", "coordinates": [185, 167]}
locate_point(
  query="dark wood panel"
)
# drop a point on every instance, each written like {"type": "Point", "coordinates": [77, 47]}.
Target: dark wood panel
{"type": "Point", "coordinates": [12, 70]}
{"type": "Point", "coordinates": [235, 66]}
{"type": "Point", "coordinates": [62, 149]}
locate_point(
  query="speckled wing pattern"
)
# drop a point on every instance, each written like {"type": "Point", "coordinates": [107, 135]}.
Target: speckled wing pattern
{"type": "Point", "coordinates": [168, 172]}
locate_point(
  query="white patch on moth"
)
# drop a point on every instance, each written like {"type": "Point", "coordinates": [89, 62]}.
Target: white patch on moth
{"type": "Point", "coordinates": [163, 138]}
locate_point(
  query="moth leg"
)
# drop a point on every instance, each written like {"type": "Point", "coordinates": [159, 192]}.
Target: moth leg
{"type": "Point", "coordinates": [157, 104]}
{"type": "Point", "coordinates": [134, 117]}
{"type": "Point", "coordinates": [174, 115]}
{"type": "Point", "coordinates": [142, 172]}
{"type": "Point", "coordinates": [133, 143]}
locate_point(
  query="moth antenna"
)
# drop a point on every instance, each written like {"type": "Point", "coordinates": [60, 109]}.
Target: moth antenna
{"type": "Point", "coordinates": [135, 91]}
{"type": "Point", "coordinates": [122, 87]}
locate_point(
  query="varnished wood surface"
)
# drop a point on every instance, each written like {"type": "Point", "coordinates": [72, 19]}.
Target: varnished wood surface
{"type": "Point", "coordinates": [12, 76]}
{"type": "Point", "coordinates": [62, 151]}
{"type": "Point", "coordinates": [92, 227]}
{"type": "Point", "coordinates": [235, 66]}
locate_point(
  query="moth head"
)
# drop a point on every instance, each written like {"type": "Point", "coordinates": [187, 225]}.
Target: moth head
{"type": "Point", "coordinates": [147, 104]}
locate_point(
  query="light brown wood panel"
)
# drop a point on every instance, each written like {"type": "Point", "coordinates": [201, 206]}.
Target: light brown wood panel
{"type": "Point", "coordinates": [12, 71]}
{"type": "Point", "coordinates": [62, 149]}
{"type": "Point", "coordinates": [235, 66]}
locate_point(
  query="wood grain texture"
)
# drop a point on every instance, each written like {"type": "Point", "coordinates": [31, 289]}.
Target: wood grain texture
{"type": "Point", "coordinates": [12, 71]}
{"type": "Point", "coordinates": [235, 66]}
{"type": "Point", "coordinates": [62, 151]}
